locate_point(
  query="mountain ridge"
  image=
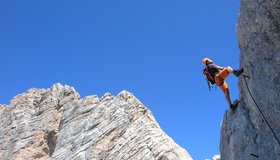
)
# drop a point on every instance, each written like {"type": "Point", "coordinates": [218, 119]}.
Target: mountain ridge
{"type": "Point", "coordinates": [56, 123]}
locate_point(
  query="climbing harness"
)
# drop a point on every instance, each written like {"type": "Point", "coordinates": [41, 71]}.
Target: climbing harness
{"type": "Point", "coordinates": [245, 78]}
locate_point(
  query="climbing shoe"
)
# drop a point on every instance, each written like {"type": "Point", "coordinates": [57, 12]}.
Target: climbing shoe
{"type": "Point", "coordinates": [238, 72]}
{"type": "Point", "coordinates": [234, 105]}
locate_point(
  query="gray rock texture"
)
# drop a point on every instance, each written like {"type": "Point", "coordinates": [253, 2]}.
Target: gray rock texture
{"type": "Point", "coordinates": [244, 133]}
{"type": "Point", "coordinates": [57, 124]}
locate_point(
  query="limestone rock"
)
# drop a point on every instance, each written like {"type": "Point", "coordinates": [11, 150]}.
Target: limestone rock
{"type": "Point", "coordinates": [57, 124]}
{"type": "Point", "coordinates": [244, 134]}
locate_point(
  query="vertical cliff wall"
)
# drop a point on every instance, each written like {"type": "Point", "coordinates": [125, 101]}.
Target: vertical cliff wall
{"type": "Point", "coordinates": [244, 133]}
{"type": "Point", "coordinates": [57, 124]}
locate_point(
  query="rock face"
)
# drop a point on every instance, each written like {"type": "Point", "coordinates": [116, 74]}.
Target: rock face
{"type": "Point", "coordinates": [57, 124]}
{"type": "Point", "coordinates": [245, 134]}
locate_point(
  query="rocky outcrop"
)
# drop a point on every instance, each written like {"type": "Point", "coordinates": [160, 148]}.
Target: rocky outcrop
{"type": "Point", "coordinates": [57, 124]}
{"type": "Point", "coordinates": [244, 133]}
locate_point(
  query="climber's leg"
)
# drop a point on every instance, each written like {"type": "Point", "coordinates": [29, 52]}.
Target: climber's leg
{"type": "Point", "coordinates": [224, 88]}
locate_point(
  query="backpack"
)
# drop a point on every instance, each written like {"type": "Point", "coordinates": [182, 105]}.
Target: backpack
{"type": "Point", "coordinates": [209, 79]}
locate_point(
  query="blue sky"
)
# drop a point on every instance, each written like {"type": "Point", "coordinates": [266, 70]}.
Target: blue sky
{"type": "Point", "coordinates": [152, 48]}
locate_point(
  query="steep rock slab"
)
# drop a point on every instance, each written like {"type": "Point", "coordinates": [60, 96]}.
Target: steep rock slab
{"type": "Point", "coordinates": [56, 124]}
{"type": "Point", "coordinates": [245, 134]}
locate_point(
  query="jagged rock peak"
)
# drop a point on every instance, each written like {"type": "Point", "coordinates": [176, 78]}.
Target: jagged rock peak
{"type": "Point", "coordinates": [57, 124]}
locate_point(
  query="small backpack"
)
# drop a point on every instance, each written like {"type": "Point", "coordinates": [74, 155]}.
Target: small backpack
{"type": "Point", "coordinates": [210, 80]}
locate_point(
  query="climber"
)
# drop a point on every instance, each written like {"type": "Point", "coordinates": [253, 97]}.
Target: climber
{"type": "Point", "coordinates": [219, 74]}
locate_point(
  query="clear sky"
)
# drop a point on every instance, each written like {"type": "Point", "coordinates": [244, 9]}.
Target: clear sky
{"type": "Point", "coordinates": [152, 48]}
